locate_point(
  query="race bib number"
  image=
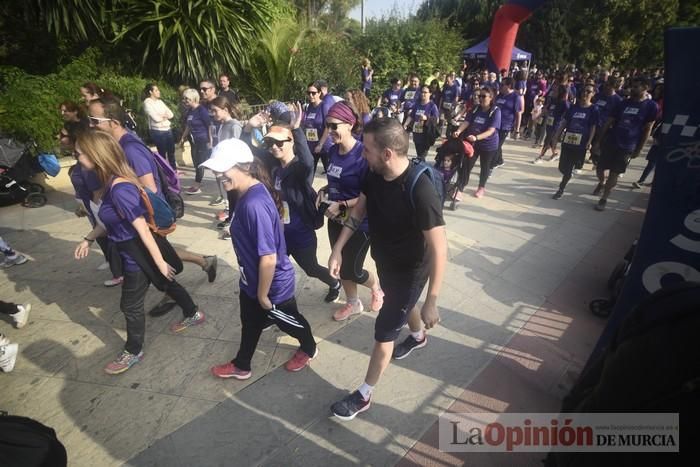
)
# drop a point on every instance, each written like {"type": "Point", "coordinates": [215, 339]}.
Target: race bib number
{"type": "Point", "coordinates": [285, 213]}
{"type": "Point", "coordinates": [550, 121]}
{"type": "Point", "coordinates": [418, 127]}
{"type": "Point", "coordinates": [409, 95]}
{"type": "Point", "coordinates": [573, 139]}
{"type": "Point", "coordinates": [311, 134]}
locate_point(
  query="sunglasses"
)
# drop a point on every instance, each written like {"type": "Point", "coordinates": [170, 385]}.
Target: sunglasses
{"type": "Point", "coordinates": [483, 96]}
{"type": "Point", "coordinates": [333, 126]}
{"type": "Point", "coordinates": [268, 143]}
{"type": "Point", "coordinates": [205, 89]}
{"type": "Point", "coordinates": [312, 93]}
{"type": "Point", "coordinates": [98, 120]}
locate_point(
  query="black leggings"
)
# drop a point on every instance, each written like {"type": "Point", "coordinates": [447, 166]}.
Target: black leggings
{"type": "Point", "coordinates": [109, 249]}
{"type": "Point", "coordinates": [484, 166]}
{"type": "Point", "coordinates": [354, 253]}
{"type": "Point", "coordinates": [200, 154]}
{"type": "Point", "coordinates": [254, 318]}
{"type": "Point", "coordinates": [323, 157]}
{"type": "Point", "coordinates": [498, 160]}
{"type": "Point", "coordinates": [307, 260]}
{"type": "Point", "coordinates": [422, 147]}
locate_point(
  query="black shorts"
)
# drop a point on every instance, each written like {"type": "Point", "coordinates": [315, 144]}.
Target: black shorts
{"type": "Point", "coordinates": [613, 158]}
{"type": "Point", "coordinates": [401, 292]}
{"type": "Point", "coordinates": [571, 157]}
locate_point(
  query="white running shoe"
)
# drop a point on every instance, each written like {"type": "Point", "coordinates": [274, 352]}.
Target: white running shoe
{"type": "Point", "coordinates": [22, 316]}
{"type": "Point", "coordinates": [8, 355]}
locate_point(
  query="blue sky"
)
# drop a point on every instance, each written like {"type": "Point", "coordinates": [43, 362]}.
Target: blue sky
{"type": "Point", "coordinates": [377, 8]}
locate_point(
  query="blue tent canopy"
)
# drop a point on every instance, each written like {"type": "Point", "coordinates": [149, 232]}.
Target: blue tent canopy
{"type": "Point", "coordinates": [481, 49]}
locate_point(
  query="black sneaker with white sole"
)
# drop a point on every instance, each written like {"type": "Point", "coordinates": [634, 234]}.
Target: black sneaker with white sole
{"type": "Point", "coordinates": [409, 344]}
{"type": "Point", "coordinates": [348, 407]}
{"type": "Point", "coordinates": [333, 293]}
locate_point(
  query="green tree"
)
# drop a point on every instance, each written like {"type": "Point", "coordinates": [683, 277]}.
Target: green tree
{"type": "Point", "coordinates": [472, 18]}
{"type": "Point", "coordinates": [546, 36]}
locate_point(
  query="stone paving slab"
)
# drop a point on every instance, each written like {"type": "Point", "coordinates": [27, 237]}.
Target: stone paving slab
{"type": "Point", "coordinates": [518, 261]}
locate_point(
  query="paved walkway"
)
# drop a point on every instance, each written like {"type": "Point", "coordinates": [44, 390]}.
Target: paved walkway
{"type": "Point", "coordinates": [515, 331]}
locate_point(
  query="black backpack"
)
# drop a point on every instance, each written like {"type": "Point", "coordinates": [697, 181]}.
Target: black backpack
{"type": "Point", "coordinates": [415, 170]}
{"type": "Point", "coordinates": [652, 364]}
{"type": "Point", "coordinates": [27, 443]}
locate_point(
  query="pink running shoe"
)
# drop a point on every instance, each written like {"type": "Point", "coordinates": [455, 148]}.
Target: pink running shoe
{"type": "Point", "coordinates": [299, 360]}
{"type": "Point", "coordinates": [229, 370]}
{"type": "Point", "coordinates": [348, 310]}
{"type": "Point", "coordinates": [480, 192]}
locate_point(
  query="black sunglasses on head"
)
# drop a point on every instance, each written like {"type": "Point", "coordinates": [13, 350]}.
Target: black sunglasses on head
{"type": "Point", "coordinates": [268, 143]}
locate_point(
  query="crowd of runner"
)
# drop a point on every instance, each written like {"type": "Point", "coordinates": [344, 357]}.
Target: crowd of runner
{"type": "Point", "coordinates": [264, 168]}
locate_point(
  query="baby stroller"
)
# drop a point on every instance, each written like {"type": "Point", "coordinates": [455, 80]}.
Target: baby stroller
{"type": "Point", "coordinates": [451, 162]}
{"type": "Point", "coordinates": [17, 166]}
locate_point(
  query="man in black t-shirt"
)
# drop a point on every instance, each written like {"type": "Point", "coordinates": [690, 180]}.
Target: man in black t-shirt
{"type": "Point", "coordinates": [409, 247]}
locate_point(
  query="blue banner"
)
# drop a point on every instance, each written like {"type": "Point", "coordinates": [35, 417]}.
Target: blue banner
{"type": "Point", "coordinates": [669, 244]}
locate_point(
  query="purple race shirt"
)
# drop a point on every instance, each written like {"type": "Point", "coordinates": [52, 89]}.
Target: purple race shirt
{"type": "Point", "coordinates": [481, 121]}
{"type": "Point", "coordinates": [429, 110]}
{"type": "Point", "coordinates": [139, 157]}
{"type": "Point", "coordinates": [606, 106]}
{"type": "Point", "coordinates": [313, 124]}
{"type": "Point", "coordinates": [345, 175]}
{"type": "Point", "coordinates": [510, 104]}
{"type": "Point", "coordinates": [578, 121]}
{"type": "Point", "coordinates": [450, 93]}
{"type": "Point", "coordinates": [630, 118]}
{"type": "Point", "coordinates": [199, 121]}
{"type": "Point", "coordinates": [121, 205]}
{"type": "Point", "coordinates": [366, 79]}
{"type": "Point", "coordinates": [297, 235]}
{"type": "Point", "coordinates": [394, 96]}
{"type": "Point", "coordinates": [410, 98]}
{"type": "Point", "coordinates": [555, 112]}
{"type": "Point", "coordinates": [256, 230]}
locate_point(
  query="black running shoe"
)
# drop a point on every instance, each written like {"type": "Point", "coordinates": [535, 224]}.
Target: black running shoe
{"type": "Point", "coordinates": [333, 293]}
{"type": "Point", "coordinates": [558, 194]}
{"type": "Point", "coordinates": [403, 349]}
{"type": "Point", "coordinates": [601, 205]}
{"type": "Point", "coordinates": [162, 308]}
{"type": "Point", "coordinates": [347, 408]}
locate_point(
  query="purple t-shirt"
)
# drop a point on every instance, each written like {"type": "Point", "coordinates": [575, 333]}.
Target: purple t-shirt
{"type": "Point", "coordinates": [121, 205]}
{"type": "Point", "coordinates": [313, 124]}
{"type": "Point", "coordinates": [410, 98]}
{"type": "Point", "coordinates": [555, 112]}
{"type": "Point", "coordinates": [139, 157]}
{"type": "Point", "coordinates": [578, 121]}
{"type": "Point", "coordinates": [199, 120]}
{"type": "Point", "coordinates": [297, 235]}
{"type": "Point", "coordinates": [429, 110]}
{"type": "Point", "coordinates": [394, 96]}
{"type": "Point", "coordinates": [366, 79]}
{"type": "Point", "coordinates": [630, 118]}
{"type": "Point", "coordinates": [450, 93]}
{"type": "Point", "coordinates": [467, 91]}
{"type": "Point", "coordinates": [521, 86]}
{"type": "Point", "coordinates": [481, 121]}
{"type": "Point", "coordinates": [256, 231]}
{"type": "Point", "coordinates": [510, 104]}
{"type": "Point", "coordinates": [606, 106]}
{"type": "Point", "coordinates": [345, 175]}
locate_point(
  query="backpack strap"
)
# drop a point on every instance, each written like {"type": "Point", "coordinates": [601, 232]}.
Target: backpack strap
{"type": "Point", "coordinates": [150, 218]}
{"type": "Point", "coordinates": [415, 171]}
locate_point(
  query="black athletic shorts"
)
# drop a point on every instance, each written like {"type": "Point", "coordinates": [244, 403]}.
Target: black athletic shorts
{"type": "Point", "coordinates": [613, 158]}
{"type": "Point", "coordinates": [571, 157]}
{"type": "Point", "coordinates": [401, 292]}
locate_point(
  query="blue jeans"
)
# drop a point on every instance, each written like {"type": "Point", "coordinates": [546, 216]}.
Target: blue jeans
{"type": "Point", "coordinates": [165, 143]}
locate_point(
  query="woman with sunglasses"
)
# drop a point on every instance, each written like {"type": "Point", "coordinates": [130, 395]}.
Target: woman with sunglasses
{"type": "Point", "coordinates": [266, 274]}
{"type": "Point", "coordinates": [197, 127]}
{"type": "Point", "coordinates": [122, 213]}
{"type": "Point", "coordinates": [578, 126]}
{"type": "Point", "coordinates": [346, 173]}
{"type": "Point", "coordinates": [424, 111]}
{"type": "Point", "coordinates": [313, 124]}
{"type": "Point", "coordinates": [293, 179]}
{"type": "Point", "coordinates": [482, 127]}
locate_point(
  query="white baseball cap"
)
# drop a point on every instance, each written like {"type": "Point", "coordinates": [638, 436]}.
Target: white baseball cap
{"type": "Point", "coordinates": [228, 153]}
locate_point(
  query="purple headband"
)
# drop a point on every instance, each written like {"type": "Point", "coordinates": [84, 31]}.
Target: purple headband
{"type": "Point", "coordinates": [342, 112]}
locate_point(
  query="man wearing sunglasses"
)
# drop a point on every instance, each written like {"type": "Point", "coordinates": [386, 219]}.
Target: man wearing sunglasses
{"type": "Point", "coordinates": [107, 115]}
